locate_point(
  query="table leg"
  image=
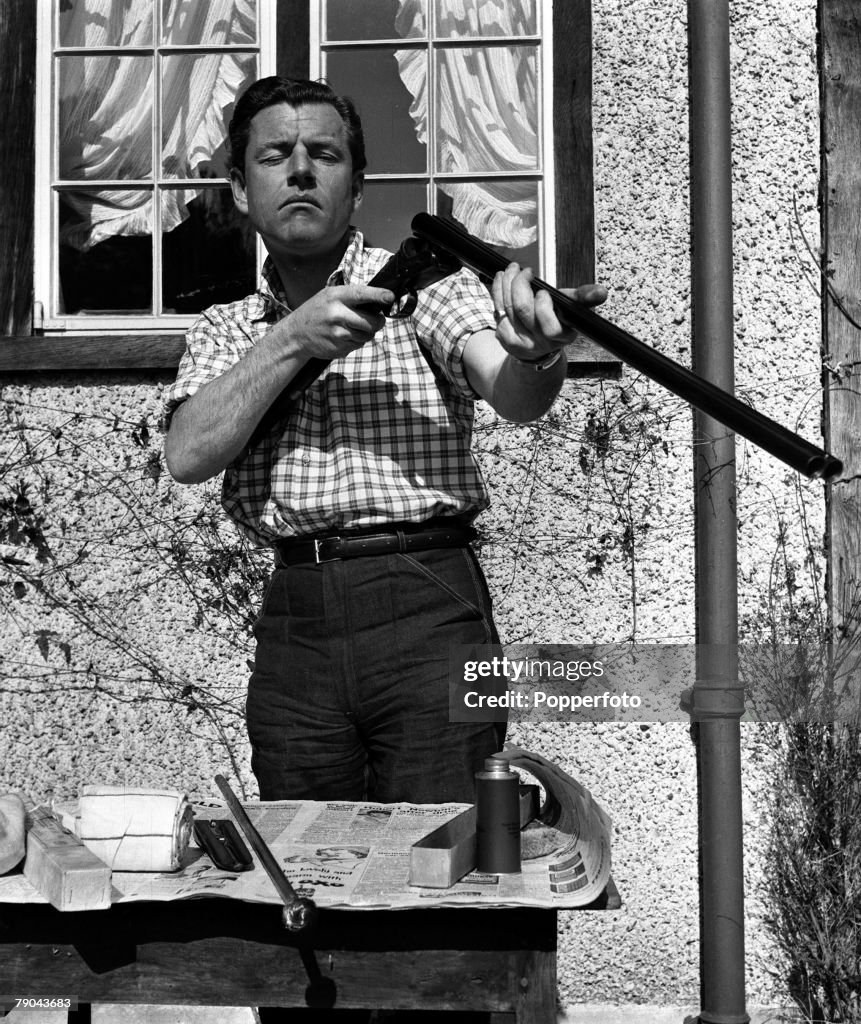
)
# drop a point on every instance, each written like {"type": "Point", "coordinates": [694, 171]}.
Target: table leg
{"type": "Point", "coordinates": [536, 1001]}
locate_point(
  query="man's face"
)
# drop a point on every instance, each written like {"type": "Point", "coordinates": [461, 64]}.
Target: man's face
{"type": "Point", "coordinates": [298, 189]}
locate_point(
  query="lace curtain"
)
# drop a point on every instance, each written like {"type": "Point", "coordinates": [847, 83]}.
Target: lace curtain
{"type": "Point", "coordinates": [105, 122]}
{"type": "Point", "coordinates": [486, 114]}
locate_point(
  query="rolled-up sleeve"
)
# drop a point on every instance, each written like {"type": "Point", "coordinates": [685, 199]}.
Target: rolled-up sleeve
{"type": "Point", "coordinates": [448, 313]}
{"type": "Point", "coordinates": [212, 346]}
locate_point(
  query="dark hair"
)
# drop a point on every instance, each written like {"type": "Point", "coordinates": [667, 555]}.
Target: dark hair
{"type": "Point", "coordinates": [297, 92]}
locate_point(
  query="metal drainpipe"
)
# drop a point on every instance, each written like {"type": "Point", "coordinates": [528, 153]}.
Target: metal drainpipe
{"type": "Point", "coordinates": [717, 702]}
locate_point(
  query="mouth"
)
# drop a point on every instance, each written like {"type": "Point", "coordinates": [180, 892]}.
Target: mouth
{"type": "Point", "coordinates": [300, 201]}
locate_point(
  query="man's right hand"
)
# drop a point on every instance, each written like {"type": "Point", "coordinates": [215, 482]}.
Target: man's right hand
{"type": "Point", "coordinates": [336, 320]}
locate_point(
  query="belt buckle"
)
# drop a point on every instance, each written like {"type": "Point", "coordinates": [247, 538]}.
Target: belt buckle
{"type": "Point", "coordinates": [317, 557]}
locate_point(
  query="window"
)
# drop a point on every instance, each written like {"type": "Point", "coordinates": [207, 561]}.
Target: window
{"type": "Point", "coordinates": [452, 99]}
{"type": "Point", "coordinates": [135, 225]}
{"type": "Point", "coordinates": [113, 247]}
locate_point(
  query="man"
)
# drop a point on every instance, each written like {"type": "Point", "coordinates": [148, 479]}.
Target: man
{"type": "Point", "coordinates": [366, 488]}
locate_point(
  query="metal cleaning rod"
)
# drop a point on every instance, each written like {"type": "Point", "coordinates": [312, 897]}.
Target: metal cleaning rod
{"type": "Point", "coordinates": [299, 911]}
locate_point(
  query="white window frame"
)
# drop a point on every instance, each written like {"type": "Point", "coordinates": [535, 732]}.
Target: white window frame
{"type": "Point", "coordinates": [46, 229]}
{"type": "Point", "coordinates": [545, 176]}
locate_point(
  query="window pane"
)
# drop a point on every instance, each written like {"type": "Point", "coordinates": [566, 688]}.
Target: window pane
{"type": "Point", "coordinates": [105, 118]}
{"type": "Point", "coordinates": [464, 18]}
{"type": "Point", "coordinates": [210, 255]}
{"type": "Point", "coordinates": [372, 79]}
{"type": "Point", "coordinates": [214, 22]}
{"type": "Point", "coordinates": [105, 252]}
{"type": "Point", "coordinates": [96, 23]}
{"type": "Point", "coordinates": [375, 19]}
{"type": "Point", "coordinates": [487, 116]}
{"type": "Point", "coordinates": [387, 210]}
{"type": "Point", "coordinates": [502, 213]}
{"type": "Point", "coordinates": [198, 95]}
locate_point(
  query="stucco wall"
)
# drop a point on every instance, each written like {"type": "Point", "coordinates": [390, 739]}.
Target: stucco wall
{"type": "Point", "coordinates": [124, 644]}
{"type": "Point", "coordinates": [648, 952]}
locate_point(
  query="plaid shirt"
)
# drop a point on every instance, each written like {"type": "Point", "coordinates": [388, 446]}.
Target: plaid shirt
{"type": "Point", "coordinates": [384, 435]}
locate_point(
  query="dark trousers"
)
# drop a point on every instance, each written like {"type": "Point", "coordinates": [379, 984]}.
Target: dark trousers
{"type": "Point", "coordinates": [349, 695]}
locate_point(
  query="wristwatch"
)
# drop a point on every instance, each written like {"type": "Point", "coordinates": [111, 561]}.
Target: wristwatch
{"type": "Point", "coordinates": [542, 362]}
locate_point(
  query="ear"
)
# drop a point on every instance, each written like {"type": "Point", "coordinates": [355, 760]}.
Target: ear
{"type": "Point", "coordinates": [237, 184]}
{"type": "Point", "coordinates": [358, 190]}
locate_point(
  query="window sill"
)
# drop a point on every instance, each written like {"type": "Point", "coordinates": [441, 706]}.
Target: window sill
{"type": "Point", "coordinates": [586, 359]}
{"type": "Point", "coordinates": [91, 352]}
{"type": "Point", "coordinates": [163, 352]}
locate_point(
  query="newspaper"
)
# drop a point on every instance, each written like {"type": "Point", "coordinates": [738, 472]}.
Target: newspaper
{"type": "Point", "coordinates": [357, 855]}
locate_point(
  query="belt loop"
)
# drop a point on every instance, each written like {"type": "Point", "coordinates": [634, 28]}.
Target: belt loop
{"type": "Point", "coordinates": [402, 541]}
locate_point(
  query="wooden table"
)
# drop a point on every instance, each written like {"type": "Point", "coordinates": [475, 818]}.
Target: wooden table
{"type": "Point", "coordinates": [223, 952]}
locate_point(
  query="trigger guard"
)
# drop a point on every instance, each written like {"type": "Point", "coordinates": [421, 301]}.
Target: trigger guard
{"type": "Point", "coordinates": [406, 305]}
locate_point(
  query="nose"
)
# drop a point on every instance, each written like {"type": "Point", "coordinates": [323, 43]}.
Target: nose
{"type": "Point", "coordinates": [301, 168]}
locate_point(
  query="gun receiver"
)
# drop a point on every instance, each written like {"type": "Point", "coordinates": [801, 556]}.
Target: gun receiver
{"type": "Point", "coordinates": [446, 237]}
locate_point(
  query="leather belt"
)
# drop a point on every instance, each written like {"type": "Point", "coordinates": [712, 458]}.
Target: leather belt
{"type": "Point", "coordinates": [386, 541]}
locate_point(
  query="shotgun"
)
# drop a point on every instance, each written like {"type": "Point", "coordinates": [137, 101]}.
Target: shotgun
{"type": "Point", "coordinates": [440, 247]}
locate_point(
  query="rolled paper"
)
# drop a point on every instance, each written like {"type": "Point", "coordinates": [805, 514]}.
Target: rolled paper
{"type": "Point", "coordinates": [136, 829]}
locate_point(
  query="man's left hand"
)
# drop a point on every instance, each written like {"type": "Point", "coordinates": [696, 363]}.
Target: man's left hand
{"type": "Point", "coordinates": [526, 323]}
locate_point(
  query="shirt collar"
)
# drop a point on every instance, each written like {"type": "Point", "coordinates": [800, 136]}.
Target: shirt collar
{"type": "Point", "coordinates": [271, 296]}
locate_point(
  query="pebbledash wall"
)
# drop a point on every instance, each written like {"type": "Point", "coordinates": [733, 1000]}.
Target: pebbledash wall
{"type": "Point", "coordinates": [127, 603]}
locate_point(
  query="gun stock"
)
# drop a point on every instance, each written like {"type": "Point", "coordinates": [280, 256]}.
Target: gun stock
{"type": "Point", "coordinates": [702, 394]}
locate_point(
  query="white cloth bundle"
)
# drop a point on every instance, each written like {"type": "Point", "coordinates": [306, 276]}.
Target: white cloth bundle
{"type": "Point", "coordinates": [136, 829]}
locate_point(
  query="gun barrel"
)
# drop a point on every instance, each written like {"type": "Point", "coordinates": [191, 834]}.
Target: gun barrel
{"type": "Point", "coordinates": [702, 394]}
